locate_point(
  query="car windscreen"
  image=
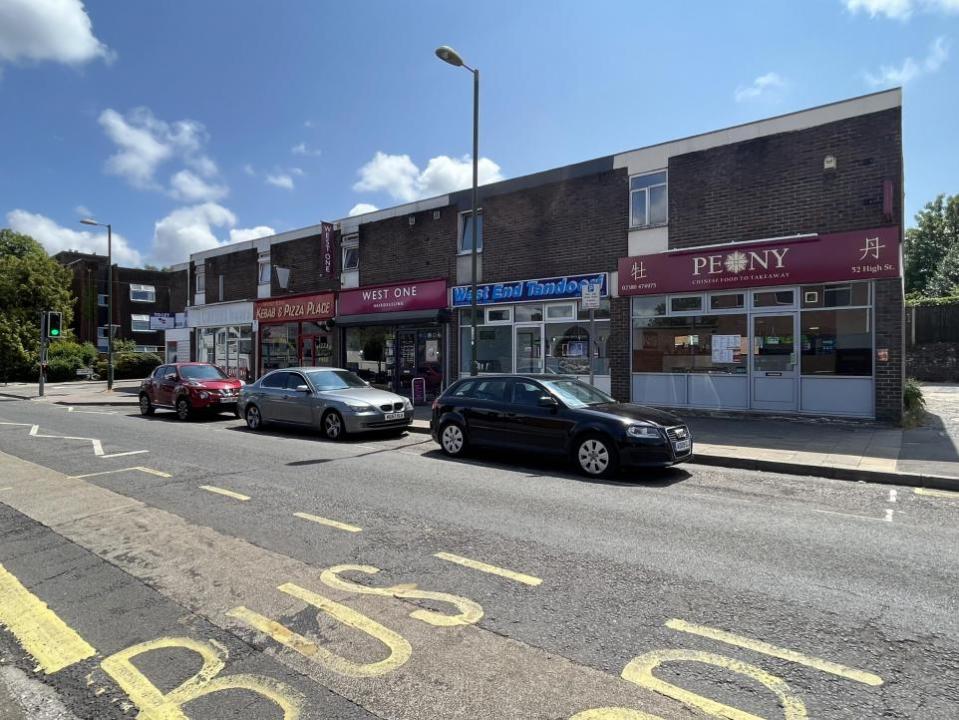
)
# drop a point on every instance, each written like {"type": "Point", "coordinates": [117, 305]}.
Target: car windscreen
{"type": "Point", "coordinates": [577, 394]}
{"type": "Point", "coordinates": [201, 372]}
{"type": "Point", "coordinates": [334, 380]}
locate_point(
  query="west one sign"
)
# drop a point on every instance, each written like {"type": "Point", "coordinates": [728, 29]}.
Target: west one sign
{"type": "Point", "coordinates": [555, 288]}
{"type": "Point", "coordinates": [423, 295]}
{"type": "Point", "coordinates": [305, 307]}
{"type": "Point", "coordinates": [859, 255]}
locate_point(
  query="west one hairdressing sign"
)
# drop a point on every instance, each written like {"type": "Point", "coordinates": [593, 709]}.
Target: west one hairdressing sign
{"type": "Point", "coordinates": [859, 255]}
{"type": "Point", "coordinates": [554, 288]}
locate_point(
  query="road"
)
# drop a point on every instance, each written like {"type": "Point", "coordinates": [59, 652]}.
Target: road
{"type": "Point", "coordinates": [376, 578]}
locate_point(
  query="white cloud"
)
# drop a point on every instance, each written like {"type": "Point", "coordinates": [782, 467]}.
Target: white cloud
{"type": "Point", "coordinates": [297, 171]}
{"type": "Point", "coordinates": [240, 234]}
{"type": "Point", "coordinates": [248, 169]}
{"type": "Point", "coordinates": [140, 151]}
{"type": "Point", "coordinates": [188, 187]}
{"type": "Point", "coordinates": [55, 237]}
{"type": "Point", "coordinates": [281, 180]}
{"type": "Point", "coordinates": [303, 149]}
{"type": "Point", "coordinates": [760, 85]}
{"type": "Point", "coordinates": [910, 68]}
{"type": "Point", "coordinates": [188, 230]}
{"type": "Point", "coordinates": [398, 175]}
{"type": "Point", "coordinates": [82, 211]}
{"type": "Point", "coordinates": [900, 9]}
{"type": "Point", "coordinates": [56, 30]}
{"type": "Point", "coordinates": [362, 209]}
{"type": "Point", "coordinates": [203, 165]}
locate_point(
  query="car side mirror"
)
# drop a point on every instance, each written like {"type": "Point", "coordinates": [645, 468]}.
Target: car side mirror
{"type": "Point", "coordinates": [547, 402]}
{"type": "Point", "coordinates": [303, 388]}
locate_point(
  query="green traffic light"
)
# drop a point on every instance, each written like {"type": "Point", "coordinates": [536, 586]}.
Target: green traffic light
{"type": "Point", "coordinates": [54, 332]}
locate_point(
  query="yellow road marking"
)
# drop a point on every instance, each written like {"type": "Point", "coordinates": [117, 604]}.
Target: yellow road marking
{"type": "Point", "coordinates": [140, 468]}
{"type": "Point", "coordinates": [228, 493]}
{"type": "Point", "coordinates": [38, 629]}
{"type": "Point", "coordinates": [329, 523]}
{"type": "Point", "coordinates": [492, 569]}
{"type": "Point", "coordinates": [937, 493]}
{"type": "Point", "coordinates": [782, 653]}
{"type": "Point", "coordinates": [9, 487]}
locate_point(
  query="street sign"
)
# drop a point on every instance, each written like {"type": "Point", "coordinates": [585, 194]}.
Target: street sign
{"type": "Point", "coordinates": [590, 296]}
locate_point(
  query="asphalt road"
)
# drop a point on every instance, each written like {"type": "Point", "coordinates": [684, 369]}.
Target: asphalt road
{"type": "Point", "coordinates": [691, 592]}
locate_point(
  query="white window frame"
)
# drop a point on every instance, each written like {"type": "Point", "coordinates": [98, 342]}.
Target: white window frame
{"type": "Point", "coordinates": [645, 192]}
{"type": "Point", "coordinates": [147, 349]}
{"type": "Point", "coordinates": [461, 234]}
{"type": "Point", "coordinates": [570, 316]}
{"type": "Point", "coordinates": [680, 313]}
{"type": "Point", "coordinates": [773, 308]}
{"type": "Point", "coordinates": [348, 245]}
{"type": "Point", "coordinates": [710, 310]}
{"type": "Point", "coordinates": [509, 314]}
{"type": "Point", "coordinates": [136, 287]}
{"type": "Point", "coordinates": [263, 267]}
{"type": "Point", "coordinates": [134, 318]}
{"type": "Point", "coordinates": [103, 300]}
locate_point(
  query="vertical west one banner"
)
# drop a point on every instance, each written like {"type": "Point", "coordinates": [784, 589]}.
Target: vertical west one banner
{"type": "Point", "coordinates": [328, 251]}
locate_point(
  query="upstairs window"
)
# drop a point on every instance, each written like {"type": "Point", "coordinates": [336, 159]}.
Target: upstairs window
{"type": "Point", "coordinates": [140, 323]}
{"type": "Point", "coordinates": [351, 259]}
{"type": "Point", "coordinates": [142, 293]}
{"type": "Point", "coordinates": [647, 200]}
{"type": "Point", "coordinates": [466, 232]}
{"type": "Point", "coordinates": [200, 280]}
{"type": "Point", "coordinates": [102, 299]}
{"type": "Point", "coordinates": [263, 272]}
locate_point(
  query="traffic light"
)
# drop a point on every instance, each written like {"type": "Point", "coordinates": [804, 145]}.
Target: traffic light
{"type": "Point", "coordinates": [54, 322]}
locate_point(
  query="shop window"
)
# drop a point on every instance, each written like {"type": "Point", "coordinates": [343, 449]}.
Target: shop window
{"type": "Point", "coordinates": [140, 323]}
{"type": "Point", "coordinates": [649, 306]}
{"type": "Point", "coordinates": [686, 303]}
{"type": "Point", "coordinates": [647, 200]}
{"type": "Point", "coordinates": [528, 313]}
{"type": "Point", "coordinates": [727, 301]}
{"type": "Point", "coordinates": [499, 315]}
{"type": "Point", "coordinates": [568, 348]}
{"type": "Point", "coordinates": [836, 342]}
{"type": "Point", "coordinates": [351, 258]}
{"type": "Point", "coordinates": [466, 232]}
{"type": "Point", "coordinates": [838, 295]}
{"type": "Point", "coordinates": [694, 344]}
{"type": "Point", "coordinates": [564, 311]}
{"type": "Point", "coordinates": [142, 293]}
{"type": "Point", "coordinates": [774, 298]}
{"type": "Point", "coordinates": [370, 353]}
{"type": "Point", "coordinates": [494, 348]}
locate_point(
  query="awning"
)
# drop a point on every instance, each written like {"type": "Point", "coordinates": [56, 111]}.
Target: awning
{"type": "Point", "coordinates": [404, 317]}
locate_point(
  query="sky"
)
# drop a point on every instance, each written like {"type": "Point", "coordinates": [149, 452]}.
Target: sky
{"type": "Point", "coordinates": [187, 125]}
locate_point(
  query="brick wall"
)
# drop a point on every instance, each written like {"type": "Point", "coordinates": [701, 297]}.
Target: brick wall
{"type": "Point", "coordinates": [304, 259]}
{"type": "Point", "coordinates": [178, 291]}
{"type": "Point", "coordinates": [890, 334]}
{"type": "Point", "coordinates": [393, 251]}
{"type": "Point", "coordinates": [775, 185]}
{"type": "Point", "coordinates": [239, 276]}
{"type": "Point", "coordinates": [620, 329]}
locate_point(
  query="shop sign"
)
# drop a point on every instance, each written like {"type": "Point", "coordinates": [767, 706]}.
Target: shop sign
{"type": "Point", "coordinates": [328, 250]}
{"type": "Point", "coordinates": [303, 307]}
{"type": "Point", "coordinates": [240, 313]}
{"type": "Point", "coordinates": [555, 288]}
{"type": "Point", "coordinates": [859, 255]}
{"type": "Point", "coordinates": [423, 295]}
{"type": "Point", "coordinates": [167, 321]}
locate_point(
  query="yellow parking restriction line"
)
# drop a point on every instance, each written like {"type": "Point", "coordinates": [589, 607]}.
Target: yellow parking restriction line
{"type": "Point", "coordinates": [38, 629]}
{"type": "Point", "coordinates": [782, 653]}
{"type": "Point", "coordinates": [937, 493]}
{"type": "Point", "coordinates": [329, 523]}
{"type": "Point", "coordinates": [492, 569]}
{"type": "Point", "coordinates": [227, 493]}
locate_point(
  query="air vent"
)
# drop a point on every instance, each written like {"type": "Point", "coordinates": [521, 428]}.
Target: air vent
{"type": "Point", "coordinates": [436, 214]}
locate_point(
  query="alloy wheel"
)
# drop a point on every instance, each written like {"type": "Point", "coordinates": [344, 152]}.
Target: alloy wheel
{"type": "Point", "coordinates": [593, 456]}
{"type": "Point", "coordinates": [145, 405]}
{"type": "Point", "coordinates": [453, 439]}
{"type": "Point", "coordinates": [333, 426]}
{"type": "Point", "coordinates": [183, 409]}
{"type": "Point", "coordinates": [253, 417]}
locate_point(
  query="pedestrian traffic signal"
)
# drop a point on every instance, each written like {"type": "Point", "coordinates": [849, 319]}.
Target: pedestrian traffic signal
{"type": "Point", "coordinates": [54, 321]}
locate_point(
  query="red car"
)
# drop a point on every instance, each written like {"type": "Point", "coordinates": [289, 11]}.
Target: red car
{"type": "Point", "coordinates": [189, 388]}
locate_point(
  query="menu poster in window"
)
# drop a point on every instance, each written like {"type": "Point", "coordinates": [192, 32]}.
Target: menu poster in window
{"type": "Point", "coordinates": [724, 347]}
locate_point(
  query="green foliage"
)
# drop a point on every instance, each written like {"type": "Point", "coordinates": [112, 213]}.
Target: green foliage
{"type": "Point", "coordinates": [920, 301]}
{"type": "Point", "coordinates": [931, 249]}
{"type": "Point", "coordinates": [30, 282]}
{"type": "Point", "coordinates": [129, 365]}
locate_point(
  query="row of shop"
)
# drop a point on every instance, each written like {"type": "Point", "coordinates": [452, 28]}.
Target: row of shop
{"type": "Point", "coordinates": [775, 326]}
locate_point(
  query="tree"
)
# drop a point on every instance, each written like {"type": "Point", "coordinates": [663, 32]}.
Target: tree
{"type": "Point", "coordinates": [932, 249]}
{"type": "Point", "coordinates": [30, 283]}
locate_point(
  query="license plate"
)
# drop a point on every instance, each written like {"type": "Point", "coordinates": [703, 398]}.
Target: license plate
{"type": "Point", "coordinates": [394, 416]}
{"type": "Point", "coordinates": [228, 399]}
{"type": "Point", "coordinates": [682, 445]}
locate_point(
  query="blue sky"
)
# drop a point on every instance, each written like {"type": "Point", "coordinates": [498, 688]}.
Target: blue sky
{"type": "Point", "coordinates": [189, 124]}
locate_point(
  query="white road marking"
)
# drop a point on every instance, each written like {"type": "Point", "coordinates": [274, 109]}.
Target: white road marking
{"type": "Point", "coordinates": [888, 517]}
{"type": "Point", "coordinates": [70, 409]}
{"type": "Point", "coordinates": [121, 454]}
{"type": "Point", "coordinates": [892, 495]}
{"type": "Point", "coordinates": [9, 487]}
{"type": "Point", "coordinates": [139, 468]}
{"type": "Point", "coordinates": [852, 515]}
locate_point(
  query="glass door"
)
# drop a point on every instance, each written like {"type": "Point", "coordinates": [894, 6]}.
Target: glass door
{"type": "Point", "coordinates": [529, 348]}
{"type": "Point", "coordinates": [773, 362]}
{"type": "Point", "coordinates": [405, 362]}
{"type": "Point", "coordinates": [308, 350]}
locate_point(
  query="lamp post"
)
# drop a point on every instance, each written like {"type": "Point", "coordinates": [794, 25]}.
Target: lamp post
{"type": "Point", "coordinates": [449, 55]}
{"type": "Point", "coordinates": [109, 227]}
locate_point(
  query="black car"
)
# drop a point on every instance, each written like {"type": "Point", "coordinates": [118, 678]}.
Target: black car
{"type": "Point", "coordinates": [560, 416]}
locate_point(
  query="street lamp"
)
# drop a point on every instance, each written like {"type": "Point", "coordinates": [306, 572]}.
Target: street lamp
{"type": "Point", "coordinates": [109, 227]}
{"type": "Point", "coordinates": [449, 55]}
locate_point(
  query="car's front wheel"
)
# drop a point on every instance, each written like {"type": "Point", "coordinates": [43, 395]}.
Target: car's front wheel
{"type": "Point", "coordinates": [254, 420]}
{"type": "Point", "coordinates": [146, 407]}
{"type": "Point", "coordinates": [453, 439]}
{"type": "Point", "coordinates": [333, 426]}
{"type": "Point", "coordinates": [183, 409]}
{"type": "Point", "coordinates": [596, 456]}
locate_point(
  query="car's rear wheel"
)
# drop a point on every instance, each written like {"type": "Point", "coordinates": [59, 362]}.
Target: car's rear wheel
{"type": "Point", "coordinates": [453, 439]}
{"type": "Point", "coordinates": [596, 456]}
{"type": "Point", "coordinates": [254, 420]}
{"type": "Point", "coordinates": [183, 409]}
{"type": "Point", "coordinates": [146, 407]}
{"type": "Point", "coordinates": [333, 426]}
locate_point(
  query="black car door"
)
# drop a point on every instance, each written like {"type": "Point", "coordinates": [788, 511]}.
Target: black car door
{"type": "Point", "coordinates": [485, 411]}
{"type": "Point", "coordinates": [532, 425]}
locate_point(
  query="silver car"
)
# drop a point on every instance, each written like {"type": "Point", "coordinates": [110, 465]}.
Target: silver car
{"type": "Point", "coordinates": [332, 399]}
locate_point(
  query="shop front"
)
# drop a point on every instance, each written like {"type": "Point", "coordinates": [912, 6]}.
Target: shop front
{"type": "Point", "coordinates": [295, 331]}
{"type": "Point", "coordinates": [536, 326]}
{"type": "Point", "coordinates": [776, 326]}
{"type": "Point", "coordinates": [223, 336]}
{"type": "Point", "coordinates": [395, 336]}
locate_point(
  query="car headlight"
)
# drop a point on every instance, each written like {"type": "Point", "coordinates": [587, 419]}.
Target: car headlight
{"type": "Point", "coordinates": [642, 431]}
{"type": "Point", "coordinates": [407, 404]}
{"type": "Point", "coordinates": [359, 407]}
{"type": "Point", "coordinates": [203, 394]}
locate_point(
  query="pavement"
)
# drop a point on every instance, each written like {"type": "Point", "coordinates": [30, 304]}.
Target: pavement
{"type": "Point", "coordinates": [376, 578]}
{"type": "Point", "coordinates": [925, 456]}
